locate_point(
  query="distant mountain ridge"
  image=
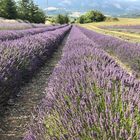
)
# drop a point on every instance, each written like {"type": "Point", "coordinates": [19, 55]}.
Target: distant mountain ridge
{"type": "Point", "coordinates": [128, 8]}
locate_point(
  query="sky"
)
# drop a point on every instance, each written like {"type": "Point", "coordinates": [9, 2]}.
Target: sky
{"type": "Point", "coordinates": [108, 7]}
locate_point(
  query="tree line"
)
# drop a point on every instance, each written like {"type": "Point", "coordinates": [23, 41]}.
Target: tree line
{"type": "Point", "coordinates": [61, 19]}
{"type": "Point", "coordinates": [88, 17]}
{"type": "Point", "coordinates": [22, 9]}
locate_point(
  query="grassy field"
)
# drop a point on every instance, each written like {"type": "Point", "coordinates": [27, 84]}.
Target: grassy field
{"type": "Point", "coordinates": [122, 21]}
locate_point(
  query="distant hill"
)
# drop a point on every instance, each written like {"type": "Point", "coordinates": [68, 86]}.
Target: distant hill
{"type": "Point", "coordinates": [54, 12]}
{"type": "Point", "coordinates": [131, 15]}
{"type": "Point", "coordinates": [123, 8]}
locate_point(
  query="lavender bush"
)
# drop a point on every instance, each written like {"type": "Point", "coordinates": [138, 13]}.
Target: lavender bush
{"type": "Point", "coordinates": [124, 28]}
{"type": "Point", "coordinates": [15, 34]}
{"type": "Point", "coordinates": [128, 53]}
{"type": "Point", "coordinates": [88, 97]}
{"type": "Point", "coordinates": [19, 26]}
{"type": "Point", "coordinates": [20, 58]}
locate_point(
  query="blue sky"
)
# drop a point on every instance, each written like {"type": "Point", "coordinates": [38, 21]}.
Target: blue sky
{"type": "Point", "coordinates": [110, 7]}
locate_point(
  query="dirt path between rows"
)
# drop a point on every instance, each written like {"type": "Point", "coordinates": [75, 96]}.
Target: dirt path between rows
{"type": "Point", "coordinates": [15, 116]}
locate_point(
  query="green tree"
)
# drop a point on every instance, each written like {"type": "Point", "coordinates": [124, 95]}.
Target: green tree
{"type": "Point", "coordinates": [23, 9]}
{"type": "Point", "coordinates": [62, 19]}
{"type": "Point", "coordinates": [91, 16]}
{"type": "Point", "coordinates": [59, 19]}
{"type": "Point", "coordinates": [8, 9]}
{"type": "Point", "coordinates": [36, 15]}
{"type": "Point", "coordinates": [66, 19]}
{"type": "Point", "coordinates": [81, 19]}
{"type": "Point", "coordinates": [27, 10]}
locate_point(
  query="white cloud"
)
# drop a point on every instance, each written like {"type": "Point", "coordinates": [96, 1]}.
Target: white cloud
{"type": "Point", "coordinates": [75, 14]}
{"type": "Point", "coordinates": [106, 6]}
{"type": "Point", "coordinates": [117, 5]}
{"type": "Point", "coordinates": [52, 9]}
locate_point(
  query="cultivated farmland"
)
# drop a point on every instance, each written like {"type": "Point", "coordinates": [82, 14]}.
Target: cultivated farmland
{"type": "Point", "coordinates": [66, 82]}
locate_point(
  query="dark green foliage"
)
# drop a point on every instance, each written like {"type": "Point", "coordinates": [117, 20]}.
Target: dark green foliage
{"type": "Point", "coordinates": [91, 16]}
{"type": "Point", "coordinates": [25, 10]}
{"type": "Point", "coordinates": [29, 11]}
{"type": "Point", "coordinates": [81, 19]}
{"type": "Point", "coordinates": [72, 21]}
{"type": "Point", "coordinates": [109, 19]}
{"type": "Point", "coordinates": [62, 19]}
{"type": "Point", "coordinates": [8, 9]}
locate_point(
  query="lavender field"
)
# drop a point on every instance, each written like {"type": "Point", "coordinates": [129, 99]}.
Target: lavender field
{"type": "Point", "coordinates": [89, 96]}
{"type": "Point", "coordinates": [18, 26]}
{"type": "Point", "coordinates": [124, 28]}
{"type": "Point", "coordinates": [66, 82]}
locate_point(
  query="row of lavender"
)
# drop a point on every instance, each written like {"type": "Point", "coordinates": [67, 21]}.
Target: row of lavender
{"type": "Point", "coordinates": [88, 97]}
{"type": "Point", "coordinates": [124, 28]}
{"type": "Point", "coordinates": [15, 34]}
{"type": "Point", "coordinates": [127, 52]}
{"type": "Point", "coordinates": [20, 58]}
{"type": "Point", "coordinates": [18, 26]}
